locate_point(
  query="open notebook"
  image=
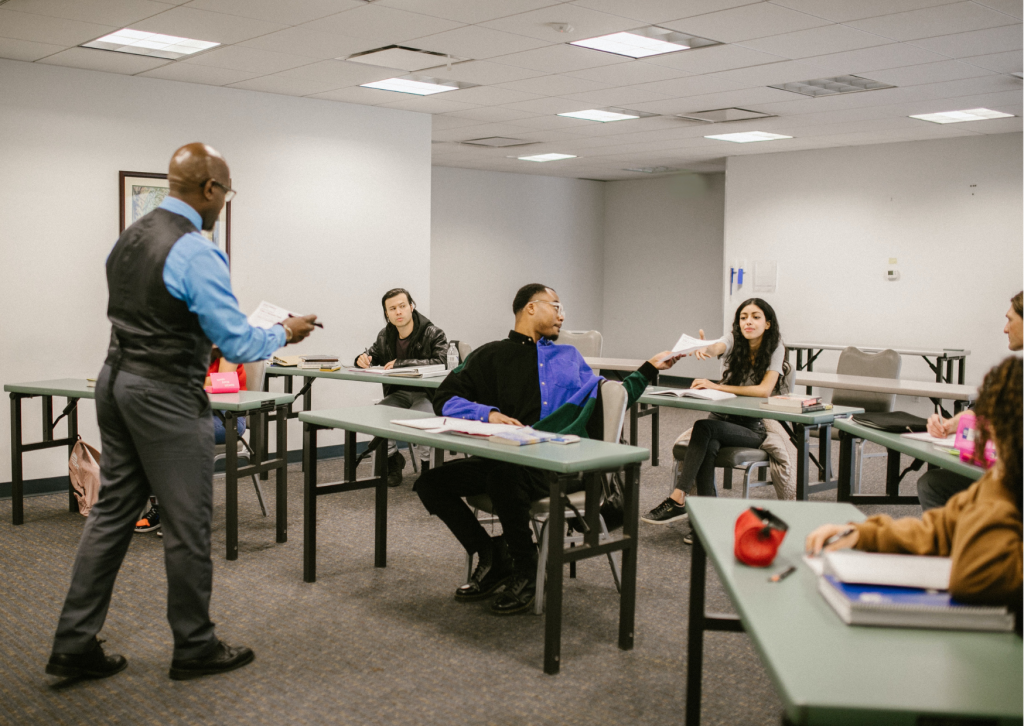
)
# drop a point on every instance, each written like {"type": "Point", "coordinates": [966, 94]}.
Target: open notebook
{"type": "Point", "coordinates": [706, 394]}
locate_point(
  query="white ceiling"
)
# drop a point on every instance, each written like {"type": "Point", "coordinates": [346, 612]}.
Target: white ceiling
{"type": "Point", "coordinates": [941, 55]}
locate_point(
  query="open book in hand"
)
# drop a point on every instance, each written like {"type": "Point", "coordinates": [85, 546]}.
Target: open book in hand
{"type": "Point", "coordinates": [497, 433]}
{"type": "Point", "coordinates": [707, 394]}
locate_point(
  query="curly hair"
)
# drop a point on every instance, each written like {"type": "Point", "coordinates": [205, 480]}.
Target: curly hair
{"type": "Point", "coordinates": [999, 415]}
{"type": "Point", "coordinates": [738, 366]}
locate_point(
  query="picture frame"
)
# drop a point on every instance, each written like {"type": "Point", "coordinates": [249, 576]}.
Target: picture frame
{"type": "Point", "coordinates": [141, 192]}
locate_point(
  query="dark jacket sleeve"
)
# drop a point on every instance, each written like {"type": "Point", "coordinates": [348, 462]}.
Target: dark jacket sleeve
{"type": "Point", "coordinates": [463, 388]}
{"type": "Point", "coordinates": [431, 349]}
{"type": "Point", "coordinates": [377, 351]}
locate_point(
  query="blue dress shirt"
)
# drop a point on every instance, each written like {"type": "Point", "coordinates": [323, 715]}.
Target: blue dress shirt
{"type": "Point", "coordinates": [196, 272]}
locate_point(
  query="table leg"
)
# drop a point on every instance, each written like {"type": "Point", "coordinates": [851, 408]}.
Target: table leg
{"type": "Point", "coordinates": [282, 473]}
{"type": "Point", "coordinates": [309, 503]}
{"type": "Point", "coordinates": [553, 584]}
{"type": "Point", "coordinates": [961, 363]}
{"type": "Point", "coordinates": [231, 481]}
{"type": "Point", "coordinates": [17, 481]}
{"type": "Point", "coordinates": [846, 467]}
{"type": "Point", "coordinates": [803, 463]}
{"type": "Point", "coordinates": [350, 456]}
{"type": "Point", "coordinates": [799, 359]}
{"type": "Point", "coordinates": [634, 419]}
{"type": "Point", "coordinates": [892, 474]}
{"type": "Point", "coordinates": [825, 451]}
{"type": "Point", "coordinates": [380, 508]}
{"type": "Point", "coordinates": [73, 436]}
{"type": "Point", "coordinates": [438, 457]}
{"type": "Point", "coordinates": [627, 586]}
{"type": "Point", "coordinates": [695, 632]}
{"type": "Point", "coordinates": [655, 434]}
{"type": "Point", "coordinates": [937, 368]}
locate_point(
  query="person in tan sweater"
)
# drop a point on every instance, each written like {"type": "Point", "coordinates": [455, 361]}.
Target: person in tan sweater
{"type": "Point", "coordinates": [980, 528]}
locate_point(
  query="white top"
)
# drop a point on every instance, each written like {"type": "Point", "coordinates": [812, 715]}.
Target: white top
{"type": "Point", "coordinates": [775, 364]}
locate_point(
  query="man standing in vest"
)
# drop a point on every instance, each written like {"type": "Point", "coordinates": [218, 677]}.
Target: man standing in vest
{"type": "Point", "coordinates": [170, 296]}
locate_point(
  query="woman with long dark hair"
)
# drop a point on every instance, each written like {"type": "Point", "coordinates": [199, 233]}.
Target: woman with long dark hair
{"type": "Point", "coordinates": [980, 528]}
{"type": "Point", "coordinates": [754, 364]}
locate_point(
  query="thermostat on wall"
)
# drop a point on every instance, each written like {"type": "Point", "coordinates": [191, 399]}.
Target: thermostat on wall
{"type": "Point", "coordinates": [892, 272]}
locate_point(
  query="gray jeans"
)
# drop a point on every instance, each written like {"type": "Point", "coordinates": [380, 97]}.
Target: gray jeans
{"type": "Point", "coordinates": [936, 486]}
{"type": "Point", "coordinates": [415, 401]}
{"type": "Point", "coordinates": [157, 439]}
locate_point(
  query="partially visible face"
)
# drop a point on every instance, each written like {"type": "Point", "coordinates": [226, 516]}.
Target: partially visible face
{"type": "Point", "coordinates": [547, 318]}
{"type": "Point", "coordinates": [398, 309]}
{"type": "Point", "coordinates": [211, 211]}
{"type": "Point", "coordinates": [752, 322]}
{"type": "Point", "coordinates": [1013, 329]}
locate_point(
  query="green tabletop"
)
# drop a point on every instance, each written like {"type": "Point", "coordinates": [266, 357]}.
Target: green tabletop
{"type": "Point", "coordinates": [918, 449]}
{"type": "Point", "coordinates": [831, 673]}
{"type": "Point", "coordinates": [77, 388]}
{"type": "Point", "coordinates": [345, 375]}
{"type": "Point", "coordinates": [587, 455]}
{"type": "Point", "coordinates": [744, 406]}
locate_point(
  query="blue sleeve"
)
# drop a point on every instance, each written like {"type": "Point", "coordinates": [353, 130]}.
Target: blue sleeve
{"type": "Point", "coordinates": [196, 273]}
{"type": "Point", "coordinates": [458, 407]}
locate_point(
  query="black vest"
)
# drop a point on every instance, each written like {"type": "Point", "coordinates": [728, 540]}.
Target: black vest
{"type": "Point", "coordinates": [153, 334]}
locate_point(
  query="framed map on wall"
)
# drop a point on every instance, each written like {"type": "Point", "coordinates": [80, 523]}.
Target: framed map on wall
{"type": "Point", "coordinates": [141, 192]}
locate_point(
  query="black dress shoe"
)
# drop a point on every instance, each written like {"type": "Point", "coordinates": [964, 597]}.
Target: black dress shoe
{"type": "Point", "coordinates": [224, 658]}
{"type": "Point", "coordinates": [396, 463]}
{"type": "Point", "coordinates": [518, 597]}
{"type": "Point", "coordinates": [91, 664]}
{"type": "Point", "coordinates": [493, 569]}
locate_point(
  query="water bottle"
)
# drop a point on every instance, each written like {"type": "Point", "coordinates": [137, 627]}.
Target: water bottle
{"type": "Point", "coordinates": [453, 356]}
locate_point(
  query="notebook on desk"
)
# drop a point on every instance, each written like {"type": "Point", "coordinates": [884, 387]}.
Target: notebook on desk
{"type": "Point", "coordinates": [706, 394]}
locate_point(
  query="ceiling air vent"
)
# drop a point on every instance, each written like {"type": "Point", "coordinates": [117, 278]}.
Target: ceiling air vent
{"type": "Point", "coordinates": [399, 56]}
{"type": "Point", "coordinates": [722, 115]}
{"type": "Point", "coordinates": [833, 86]}
{"type": "Point", "coordinates": [498, 142]}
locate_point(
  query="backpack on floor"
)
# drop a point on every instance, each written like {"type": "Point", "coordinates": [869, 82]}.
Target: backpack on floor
{"type": "Point", "coordinates": [84, 470]}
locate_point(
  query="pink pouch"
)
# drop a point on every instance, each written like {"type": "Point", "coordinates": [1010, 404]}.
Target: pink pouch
{"type": "Point", "coordinates": [965, 432]}
{"type": "Point", "coordinates": [223, 383]}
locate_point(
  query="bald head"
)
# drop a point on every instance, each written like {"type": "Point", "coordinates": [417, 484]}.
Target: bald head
{"type": "Point", "coordinates": [199, 176]}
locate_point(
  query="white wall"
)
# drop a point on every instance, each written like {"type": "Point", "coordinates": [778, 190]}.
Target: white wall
{"type": "Point", "coordinates": [948, 210]}
{"type": "Point", "coordinates": [332, 209]}
{"type": "Point", "coordinates": [494, 232]}
{"type": "Point", "coordinates": [663, 262]}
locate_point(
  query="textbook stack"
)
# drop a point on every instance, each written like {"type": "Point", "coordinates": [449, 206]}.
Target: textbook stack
{"type": "Point", "coordinates": [319, 362]}
{"type": "Point", "coordinates": [795, 404]}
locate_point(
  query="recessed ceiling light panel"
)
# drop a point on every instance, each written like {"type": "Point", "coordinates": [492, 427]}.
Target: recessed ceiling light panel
{"type": "Point", "coordinates": [604, 115]}
{"type": "Point", "coordinates": [155, 45]}
{"type": "Point", "coordinates": [545, 157]}
{"type": "Point", "coordinates": [747, 137]}
{"type": "Point", "coordinates": [644, 42]}
{"type": "Point", "coordinates": [418, 85]}
{"type": "Point", "coordinates": [956, 117]}
{"type": "Point", "coordinates": [833, 86]}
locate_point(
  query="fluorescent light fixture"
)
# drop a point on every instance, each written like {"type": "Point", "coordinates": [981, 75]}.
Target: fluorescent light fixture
{"type": "Point", "coordinates": [653, 169]}
{"type": "Point", "coordinates": [955, 117]}
{"type": "Point", "coordinates": [747, 137]}
{"type": "Point", "coordinates": [833, 86]}
{"type": "Point", "coordinates": [418, 85]}
{"type": "Point", "coordinates": [596, 114]}
{"type": "Point", "coordinates": [546, 157]}
{"type": "Point", "coordinates": [644, 42]}
{"type": "Point", "coordinates": [156, 45]}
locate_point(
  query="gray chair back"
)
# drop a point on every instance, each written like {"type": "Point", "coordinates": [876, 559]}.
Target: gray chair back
{"type": "Point", "coordinates": [856, 362]}
{"type": "Point", "coordinates": [589, 343]}
{"type": "Point", "coordinates": [254, 375]}
{"type": "Point", "coordinates": [613, 395]}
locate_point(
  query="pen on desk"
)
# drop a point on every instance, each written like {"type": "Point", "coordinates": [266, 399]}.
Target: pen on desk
{"type": "Point", "coordinates": [778, 576]}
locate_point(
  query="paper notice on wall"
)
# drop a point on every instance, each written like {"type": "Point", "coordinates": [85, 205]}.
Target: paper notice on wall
{"type": "Point", "coordinates": [766, 274]}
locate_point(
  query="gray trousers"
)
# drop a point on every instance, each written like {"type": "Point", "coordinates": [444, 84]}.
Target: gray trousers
{"type": "Point", "coordinates": [936, 486]}
{"type": "Point", "coordinates": [157, 438]}
{"type": "Point", "coordinates": [415, 401]}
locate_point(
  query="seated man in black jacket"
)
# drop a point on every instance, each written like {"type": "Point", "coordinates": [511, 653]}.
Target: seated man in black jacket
{"type": "Point", "coordinates": [409, 339]}
{"type": "Point", "coordinates": [524, 380]}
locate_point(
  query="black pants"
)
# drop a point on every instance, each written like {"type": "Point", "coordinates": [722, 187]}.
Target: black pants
{"type": "Point", "coordinates": [935, 487]}
{"type": "Point", "coordinates": [512, 489]}
{"type": "Point", "coordinates": [709, 435]}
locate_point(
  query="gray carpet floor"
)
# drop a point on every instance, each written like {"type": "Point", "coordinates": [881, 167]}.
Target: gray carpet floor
{"type": "Point", "coordinates": [364, 645]}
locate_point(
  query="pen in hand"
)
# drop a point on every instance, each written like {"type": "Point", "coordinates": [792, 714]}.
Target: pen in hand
{"type": "Point", "coordinates": [837, 536]}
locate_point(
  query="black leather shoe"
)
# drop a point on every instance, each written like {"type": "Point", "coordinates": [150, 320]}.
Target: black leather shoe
{"type": "Point", "coordinates": [396, 463]}
{"type": "Point", "coordinates": [91, 664]}
{"type": "Point", "coordinates": [493, 569]}
{"type": "Point", "coordinates": [517, 597]}
{"type": "Point", "coordinates": [224, 658]}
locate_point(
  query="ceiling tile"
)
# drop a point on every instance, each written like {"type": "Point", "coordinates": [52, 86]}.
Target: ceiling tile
{"type": "Point", "coordinates": [754, 99]}
{"type": "Point", "coordinates": [713, 58]}
{"type": "Point", "coordinates": [866, 60]}
{"type": "Point", "coordinates": [468, 11]}
{"type": "Point", "coordinates": [628, 74]}
{"type": "Point", "coordinates": [492, 114]}
{"type": "Point", "coordinates": [301, 41]}
{"type": "Point", "coordinates": [475, 42]}
{"type": "Point", "coordinates": [841, 11]}
{"type": "Point", "coordinates": [1009, 7]}
{"type": "Point", "coordinates": [1010, 62]}
{"type": "Point", "coordinates": [622, 97]}
{"type": "Point", "coordinates": [586, 23]}
{"type": "Point", "coordinates": [929, 73]}
{"type": "Point", "coordinates": [995, 126]}
{"type": "Point", "coordinates": [658, 11]}
{"type": "Point", "coordinates": [561, 59]}
{"type": "Point", "coordinates": [56, 31]}
{"type": "Point", "coordinates": [558, 85]}
{"type": "Point", "coordinates": [381, 25]}
{"type": "Point", "coordinates": [192, 73]}
{"type": "Point", "coordinates": [486, 73]}
{"type": "Point", "coordinates": [286, 85]}
{"type": "Point", "coordinates": [746, 23]}
{"type": "Point", "coordinates": [293, 12]}
{"type": "Point", "coordinates": [769, 74]}
{"type": "Point", "coordinates": [445, 122]}
{"type": "Point", "coordinates": [964, 45]}
{"type": "Point", "coordinates": [491, 95]}
{"type": "Point", "coordinates": [691, 86]}
{"type": "Point", "coordinates": [549, 105]}
{"type": "Point", "coordinates": [26, 50]}
{"type": "Point", "coordinates": [491, 129]}
{"type": "Point", "coordinates": [929, 22]}
{"type": "Point", "coordinates": [103, 60]}
{"type": "Point", "coordinates": [425, 104]}
{"type": "Point", "coordinates": [106, 12]}
{"type": "Point", "coordinates": [204, 25]}
{"type": "Point", "coordinates": [256, 62]}
{"type": "Point", "coordinates": [317, 78]}
{"type": "Point", "coordinates": [552, 122]}
{"type": "Point", "coordinates": [816, 41]}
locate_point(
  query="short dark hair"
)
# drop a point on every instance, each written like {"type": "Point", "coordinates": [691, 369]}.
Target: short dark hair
{"type": "Point", "coordinates": [525, 294]}
{"type": "Point", "coordinates": [1018, 304]}
{"type": "Point", "coordinates": [394, 292]}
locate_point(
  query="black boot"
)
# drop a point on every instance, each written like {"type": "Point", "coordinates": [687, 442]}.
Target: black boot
{"type": "Point", "coordinates": [518, 595]}
{"type": "Point", "coordinates": [91, 664]}
{"type": "Point", "coordinates": [493, 569]}
{"type": "Point", "coordinates": [396, 463]}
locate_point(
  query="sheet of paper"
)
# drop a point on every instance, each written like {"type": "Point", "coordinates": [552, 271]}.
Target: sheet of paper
{"type": "Point", "coordinates": [816, 564]}
{"type": "Point", "coordinates": [267, 315]}
{"type": "Point", "coordinates": [949, 441]}
{"type": "Point", "coordinates": [689, 344]}
{"type": "Point", "coordinates": [447, 424]}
